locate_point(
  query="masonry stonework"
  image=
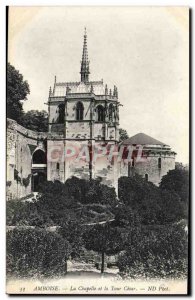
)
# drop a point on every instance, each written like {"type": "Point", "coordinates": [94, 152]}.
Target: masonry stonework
{"type": "Point", "coordinates": [21, 144]}
{"type": "Point", "coordinates": [83, 121]}
{"type": "Point", "coordinates": [153, 161]}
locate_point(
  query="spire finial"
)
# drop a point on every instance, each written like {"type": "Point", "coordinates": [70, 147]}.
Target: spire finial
{"type": "Point", "coordinates": [106, 90]}
{"type": "Point", "coordinates": [54, 86]}
{"type": "Point", "coordinates": [50, 91]}
{"type": "Point", "coordinates": [85, 62]}
{"type": "Point", "coordinates": [116, 92]}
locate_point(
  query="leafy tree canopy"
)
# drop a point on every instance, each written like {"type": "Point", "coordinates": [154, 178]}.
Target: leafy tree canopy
{"type": "Point", "coordinates": [105, 239]}
{"type": "Point", "coordinates": [77, 199]}
{"type": "Point", "coordinates": [17, 90]}
{"type": "Point", "coordinates": [123, 135]}
{"type": "Point", "coordinates": [177, 181]}
{"type": "Point", "coordinates": [151, 204]}
{"type": "Point", "coordinates": [92, 191]}
{"type": "Point", "coordinates": [35, 120]}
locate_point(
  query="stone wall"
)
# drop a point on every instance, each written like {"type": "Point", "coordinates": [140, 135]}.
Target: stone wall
{"type": "Point", "coordinates": [21, 143]}
{"type": "Point", "coordinates": [78, 130]}
{"type": "Point", "coordinates": [72, 158]}
{"type": "Point", "coordinates": [61, 165]}
{"type": "Point", "coordinates": [149, 166]}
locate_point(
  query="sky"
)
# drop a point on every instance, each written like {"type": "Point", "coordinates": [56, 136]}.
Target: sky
{"type": "Point", "coordinates": [144, 51]}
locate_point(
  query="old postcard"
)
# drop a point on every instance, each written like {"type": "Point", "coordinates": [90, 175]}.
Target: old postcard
{"type": "Point", "coordinates": [97, 182]}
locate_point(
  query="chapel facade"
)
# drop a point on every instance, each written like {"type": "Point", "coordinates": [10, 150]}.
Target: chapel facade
{"type": "Point", "coordinates": [83, 116]}
{"type": "Point", "coordinates": [82, 140]}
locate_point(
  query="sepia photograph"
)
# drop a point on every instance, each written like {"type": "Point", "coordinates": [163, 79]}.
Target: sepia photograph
{"type": "Point", "coordinates": [97, 154]}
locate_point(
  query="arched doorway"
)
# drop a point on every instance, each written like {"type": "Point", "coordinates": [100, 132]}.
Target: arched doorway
{"type": "Point", "coordinates": [39, 169]}
{"type": "Point", "coordinates": [39, 157]}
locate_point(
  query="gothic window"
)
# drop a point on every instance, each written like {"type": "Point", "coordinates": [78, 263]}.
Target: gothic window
{"type": "Point", "coordinates": [100, 113]}
{"type": "Point", "coordinates": [159, 162]}
{"type": "Point", "coordinates": [111, 112]}
{"type": "Point", "coordinates": [79, 111]}
{"type": "Point", "coordinates": [58, 166]}
{"type": "Point", "coordinates": [61, 113]}
{"type": "Point", "coordinates": [146, 177]}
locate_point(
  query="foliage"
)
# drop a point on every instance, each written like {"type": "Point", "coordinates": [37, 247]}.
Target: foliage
{"type": "Point", "coordinates": [56, 202]}
{"type": "Point", "coordinates": [123, 135]}
{"type": "Point", "coordinates": [162, 252]}
{"type": "Point", "coordinates": [177, 181]}
{"type": "Point", "coordinates": [77, 199]}
{"type": "Point", "coordinates": [125, 216]}
{"type": "Point", "coordinates": [25, 213]}
{"type": "Point", "coordinates": [105, 239]}
{"type": "Point", "coordinates": [36, 252]}
{"type": "Point", "coordinates": [26, 181]}
{"type": "Point", "coordinates": [94, 213]}
{"type": "Point", "coordinates": [151, 204]}
{"type": "Point", "coordinates": [16, 176]}
{"type": "Point", "coordinates": [60, 203]}
{"type": "Point", "coordinates": [17, 90]}
{"type": "Point", "coordinates": [73, 231]}
{"type": "Point", "coordinates": [91, 191]}
{"type": "Point", "coordinates": [77, 204]}
{"type": "Point", "coordinates": [172, 208]}
{"type": "Point", "coordinates": [35, 120]}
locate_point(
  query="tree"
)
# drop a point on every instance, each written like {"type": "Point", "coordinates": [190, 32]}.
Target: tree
{"type": "Point", "coordinates": [155, 251]}
{"type": "Point", "coordinates": [56, 203]}
{"type": "Point", "coordinates": [125, 216]}
{"type": "Point", "coordinates": [66, 206]}
{"type": "Point", "coordinates": [35, 120]}
{"type": "Point", "coordinates": [26, 213]}
{"type": "Point", "coordinates": [104, 239]}
{"type": "Point", "coordinates": [72, 231]}
{"type": "Point", "coordinates": [93, 191]}
{"type": "Point", "coordinates": [177, 181]}
{"type": "Point", "coordinates": [17, 90]}
{"type": "Point", "coordinates": [143, 197]}
{"type": "Point", "coordinates": [149, 202]}
{"type": "Point", "coordinates": [123, 135]}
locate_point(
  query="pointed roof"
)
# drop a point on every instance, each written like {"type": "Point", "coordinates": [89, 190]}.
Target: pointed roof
{"type": "Point", "coordinates": [142, 139]}
{"type": "Point", "coordinates": [85, 62]}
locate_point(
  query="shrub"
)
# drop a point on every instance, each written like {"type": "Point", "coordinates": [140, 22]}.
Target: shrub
{"type": "Point", "coordinates": [155, 253]}
{"type": "Point", "coordinates": [36, 252]}
{"type": "Point", "coordinates": [25, 213]}
{"type": "Point", "coordinates": [88, 192]}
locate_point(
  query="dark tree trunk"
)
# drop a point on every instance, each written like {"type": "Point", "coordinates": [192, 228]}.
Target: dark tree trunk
{"type": "Point", "coordinates": [102, 266]}
{"type": "Point", "coordinates": [65, 266]}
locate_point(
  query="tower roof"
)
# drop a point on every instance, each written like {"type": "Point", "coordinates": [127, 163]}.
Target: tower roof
{"type": "Point", "coordinates": [85, 62]}
{"type": "Point", "coordinates": [142, 139]}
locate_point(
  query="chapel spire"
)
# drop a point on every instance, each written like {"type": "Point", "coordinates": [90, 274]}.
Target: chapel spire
{"type": "Point", "coordinates": [85, 62]}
